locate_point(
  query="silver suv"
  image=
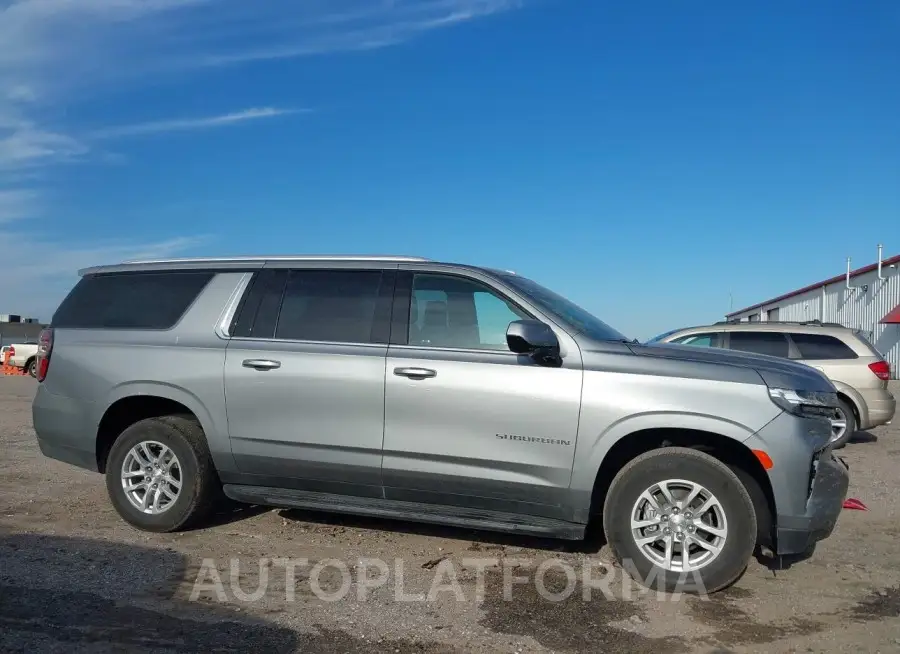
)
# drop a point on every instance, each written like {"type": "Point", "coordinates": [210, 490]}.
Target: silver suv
{"type": "Point", "coordinates": [858, 371]}
{"type": "Point", "coordinates": [452, 394]}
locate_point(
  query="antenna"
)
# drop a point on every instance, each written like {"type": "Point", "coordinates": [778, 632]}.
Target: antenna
{"type": "Point", "coordinates": [849, 288]}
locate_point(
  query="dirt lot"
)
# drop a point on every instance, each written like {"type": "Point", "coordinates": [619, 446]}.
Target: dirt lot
{"type": "Point", "coordinates": [75, 577]}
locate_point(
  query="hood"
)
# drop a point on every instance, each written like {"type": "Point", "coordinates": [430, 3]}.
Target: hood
{"type": "Point", "coordinates": [776, 372]}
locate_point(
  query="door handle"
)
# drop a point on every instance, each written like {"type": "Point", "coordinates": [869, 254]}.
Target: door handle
{"type": "Point", "coordinates": [415, 373]}
{"type": "Point", "coordinates": [261, 364]}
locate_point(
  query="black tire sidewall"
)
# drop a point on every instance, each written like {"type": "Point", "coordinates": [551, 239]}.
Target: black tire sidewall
{"type": "Point", "coordinates": [180, 512]}
{"type": "Point", "coordinates": [32, 369]}
{"type": "Point", "coordinates": [721, 482]}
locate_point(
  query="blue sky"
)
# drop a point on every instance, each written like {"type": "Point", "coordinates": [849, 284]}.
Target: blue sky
{"type": "Point", "coordinates": [647, 159]}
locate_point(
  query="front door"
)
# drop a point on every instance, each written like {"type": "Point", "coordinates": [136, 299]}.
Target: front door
{"type": "Point", "coordinates": [468, 422]}
{"type": "Point", "coordinates": [304, 380]}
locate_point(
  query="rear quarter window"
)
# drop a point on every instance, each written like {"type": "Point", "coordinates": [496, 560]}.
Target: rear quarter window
{"type": "Point", "coordinates": [155, 300]}
{"type": "Point", "coordinates": [822, 347]}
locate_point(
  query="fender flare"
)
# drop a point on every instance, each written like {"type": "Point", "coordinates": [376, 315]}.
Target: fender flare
{"type": "Point", "coordinates": [593, 452]}
{"type": "Point", "coordinates": [216, 435]}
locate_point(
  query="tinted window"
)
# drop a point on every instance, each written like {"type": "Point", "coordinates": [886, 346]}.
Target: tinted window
{"type": "Point", "coordinates": [130, 300]}
{"type": "Point", "coordinates": [329, 305]}
{"type": "Point", "coordinates": [258, 311]}
{"type": "Point", "coordinates": [448, 311]}
{"type": "Point", "coordinates": [567, 311]}
{"type": "Point", "coordinates": [821, 346]}
{"type": "Point", "coordinates": [699, 340]}
{"type": "Point", "coordinates": [771, 343]}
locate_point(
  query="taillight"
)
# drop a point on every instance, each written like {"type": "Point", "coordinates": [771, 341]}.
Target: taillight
{"type": "Point", "coordinates": [12, 351]}
{"type": "Point", "coordinates": [45, 347]}
{"type": "Point", "coordinates": [882, 370]}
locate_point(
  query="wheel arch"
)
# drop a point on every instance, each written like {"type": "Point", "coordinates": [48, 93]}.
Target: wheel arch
{"type": "Point", "coordinates": [730, 451]}
{"type": "Point", "coordinates": [849, 395]}
{"type": "Point", "coordinates": [132, 402]}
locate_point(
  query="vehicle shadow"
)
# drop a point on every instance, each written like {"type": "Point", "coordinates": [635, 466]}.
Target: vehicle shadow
{"type": "Point", "coordinates": [229, 511]}
{"type": "Point", "coordinates": [863, 437]}
{"type": "Point", "coordinates": [77, 594]}
{"type": "Point", "coordinates": [480, 539]}
{"type": "Point", "coordinates": [777, 563]}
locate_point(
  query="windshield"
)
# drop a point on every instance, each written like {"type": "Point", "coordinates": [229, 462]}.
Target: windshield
{"type": "Point", "coordinates": [569, 312]}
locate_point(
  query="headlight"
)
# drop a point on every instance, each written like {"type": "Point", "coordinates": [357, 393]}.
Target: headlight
{"type": "Point", "coordinates": [809, 404]}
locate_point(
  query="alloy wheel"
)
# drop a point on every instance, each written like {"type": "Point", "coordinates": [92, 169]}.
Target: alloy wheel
{"type": "Point", "coordinates": [151, 477]}
{"type": "Point", "coordinates": [679, 525]}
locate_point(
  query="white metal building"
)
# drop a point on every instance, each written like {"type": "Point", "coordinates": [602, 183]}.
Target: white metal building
{"type": "Point", "coordinates": [867, 299]}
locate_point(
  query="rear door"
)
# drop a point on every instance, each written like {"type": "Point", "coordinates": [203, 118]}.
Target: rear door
{"type": "Point", "coordinates": [304, 379]}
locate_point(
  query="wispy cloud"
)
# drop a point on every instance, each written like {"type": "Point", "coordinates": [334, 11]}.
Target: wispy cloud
{"type": "Point", "coordinates": [26, 145]}
{"type": "Point", "coordinates": [56, 53]}
{"type": "Point", "coordinates": [185, 124]}
{"type": "Point", "coordinates": [346, 26]}
{"type": "Point", "coordinates": [16, 204]}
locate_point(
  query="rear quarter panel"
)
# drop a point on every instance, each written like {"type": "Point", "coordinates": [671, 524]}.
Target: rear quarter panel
{"type": "Point", "coordinates": [95, 368]}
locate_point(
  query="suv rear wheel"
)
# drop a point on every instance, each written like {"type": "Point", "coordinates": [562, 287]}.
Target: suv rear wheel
{"type": "Point", "coordinates": [681, 520]}
{"type": "Point", "coordinates": [160, 476]}
{"type": "Point", "coordinates": [31, 367]}
{"type": "Point", "coordinates": [843, 425]}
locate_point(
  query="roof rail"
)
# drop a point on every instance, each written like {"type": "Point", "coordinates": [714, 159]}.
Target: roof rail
{"type": "Point", "coordinates": [298, 257]}
{"type": "Point", "coordinates": [805, 323]}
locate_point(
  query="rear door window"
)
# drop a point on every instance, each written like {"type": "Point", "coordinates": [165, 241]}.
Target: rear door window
{"type": "Point", "coordinates": [154, 300]}
{"type": "Point", "coordinates": [822, 347]}
{"type": "Point", "coordinates": [338, 306]}
{"type": "Point", "coordinates": [259, 308]}
{"type": "Point", "coordinates": [771, 343]}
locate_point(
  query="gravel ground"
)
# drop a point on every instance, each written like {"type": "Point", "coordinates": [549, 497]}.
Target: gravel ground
{"type": "Point", "coordinates": [75, 577]}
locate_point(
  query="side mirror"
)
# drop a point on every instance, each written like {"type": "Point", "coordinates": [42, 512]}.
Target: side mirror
{"type": "Point", "coordinates": [531, 337]}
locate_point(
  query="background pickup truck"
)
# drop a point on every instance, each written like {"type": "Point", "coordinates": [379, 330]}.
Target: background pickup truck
{"type": "Point", "coordinates": [24, 355]}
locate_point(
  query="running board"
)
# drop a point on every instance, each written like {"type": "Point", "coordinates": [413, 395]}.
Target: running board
{"type": "Point", "coordinates": [413, 511]}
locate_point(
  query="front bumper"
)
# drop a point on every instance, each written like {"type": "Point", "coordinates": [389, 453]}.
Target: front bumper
{"type": "Point", "coordinates": [797, 534]}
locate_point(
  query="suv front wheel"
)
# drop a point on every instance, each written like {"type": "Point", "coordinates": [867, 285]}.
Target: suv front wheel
{"type": "Point", "coordinates": [160, 476]}
{"type": "Point", "coordinates": [680, 520]}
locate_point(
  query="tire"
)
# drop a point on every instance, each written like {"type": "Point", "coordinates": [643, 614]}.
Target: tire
{"type": "Point", "coordinates": [734, 504]}
{"type": "Point", "coordinates": [851, 425]}
{"type": "Point", "coordinates": [31, 367]}
{"type": "Point", "coordinates": [200, 486]}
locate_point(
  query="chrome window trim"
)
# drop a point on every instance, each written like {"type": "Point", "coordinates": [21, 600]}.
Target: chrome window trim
{"type": "Point", "coordinates": [223, 326]}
